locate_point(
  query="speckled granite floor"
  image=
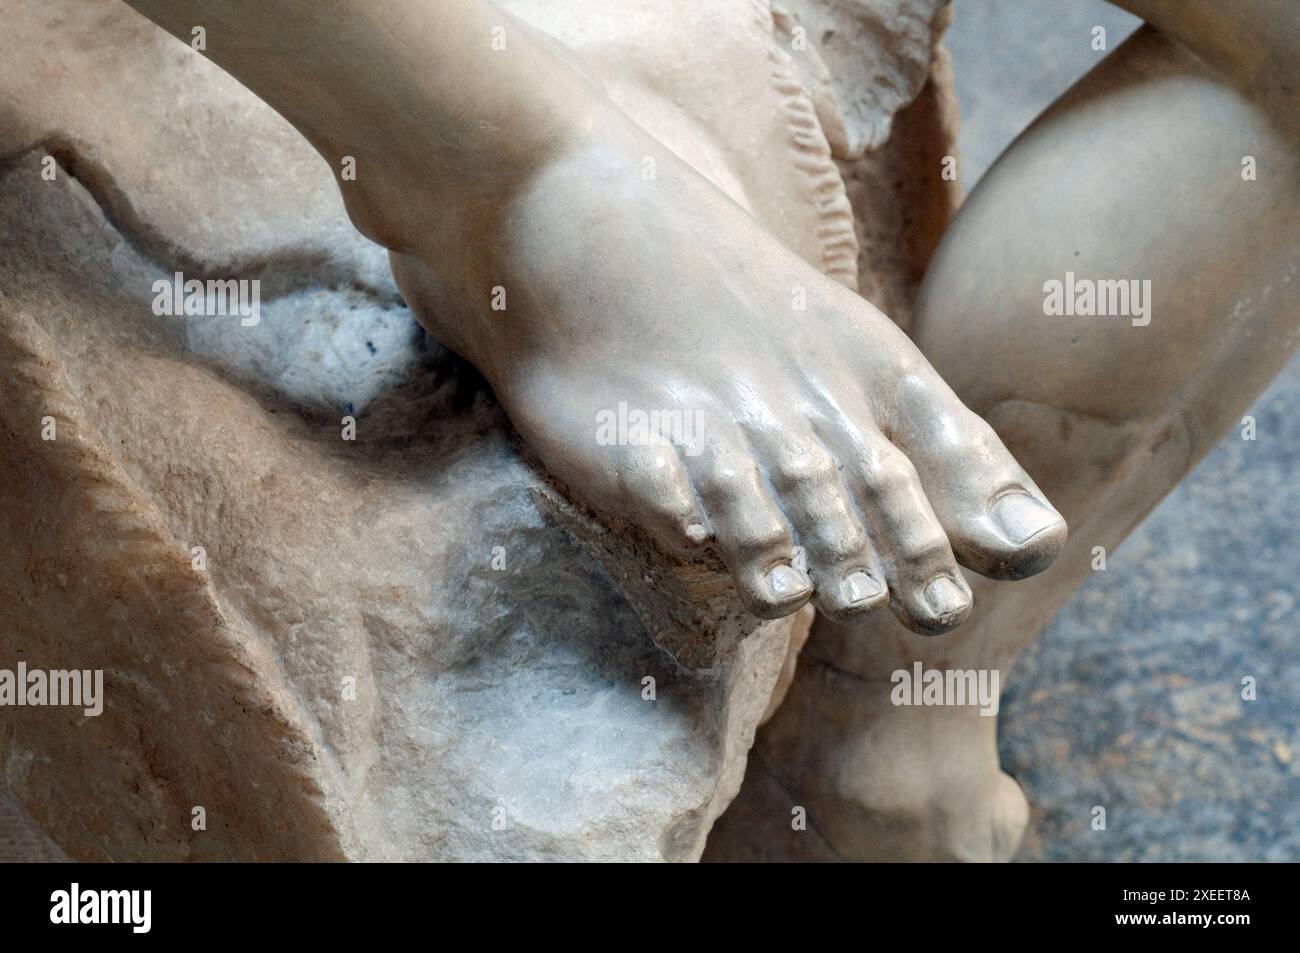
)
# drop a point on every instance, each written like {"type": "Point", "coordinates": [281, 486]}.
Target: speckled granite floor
{"type": "Point", "coordinates": [1131, 700]}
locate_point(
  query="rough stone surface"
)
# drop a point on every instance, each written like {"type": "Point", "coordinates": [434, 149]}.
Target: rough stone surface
{"type": "Point", "coordinates": [21, 839]}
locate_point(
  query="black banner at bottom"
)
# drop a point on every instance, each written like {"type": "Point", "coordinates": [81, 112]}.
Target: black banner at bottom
{"type": "Point", "coordinates": [139, 903]}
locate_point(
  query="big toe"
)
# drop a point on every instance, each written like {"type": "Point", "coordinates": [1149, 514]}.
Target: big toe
{"type": "Point", "coordinates": [998, 521]}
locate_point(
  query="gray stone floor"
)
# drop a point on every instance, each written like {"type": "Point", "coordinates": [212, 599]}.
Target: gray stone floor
{"type": "Point", "coordinates": [1131, 700]}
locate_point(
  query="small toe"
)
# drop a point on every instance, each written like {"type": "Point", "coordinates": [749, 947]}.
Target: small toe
{"type": "Point", "coordinates": [928, 592]}
{"type": "Point", "coordinates": [656, 493]}
{"type": "Point", "coordinates": [847, 576]}
{"type": "Point", "coordinates": [751, 535]}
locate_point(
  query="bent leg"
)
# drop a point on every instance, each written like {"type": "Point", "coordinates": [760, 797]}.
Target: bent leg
{"type": "Point", "coordinates": [1136, 173]}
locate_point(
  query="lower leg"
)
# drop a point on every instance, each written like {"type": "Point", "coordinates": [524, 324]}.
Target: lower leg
{"type": "Point", "coordinates": [1136, 173]}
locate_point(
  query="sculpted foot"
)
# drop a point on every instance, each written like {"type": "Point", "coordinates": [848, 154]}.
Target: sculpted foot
{"type": "Point", "coordinates": [646, 344]}
{"type": "Point", "coordinates": [666, 357]}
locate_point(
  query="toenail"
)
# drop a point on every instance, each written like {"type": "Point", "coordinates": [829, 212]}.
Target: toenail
{"type": "Point", "coordinates": [945, 598]}
{"type": "Point", "coordinates": [860, 587]}
{"type": "Point", "coordinates": [785, 581]}
{"type": "Point", "coordinates": [1020, 517]}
